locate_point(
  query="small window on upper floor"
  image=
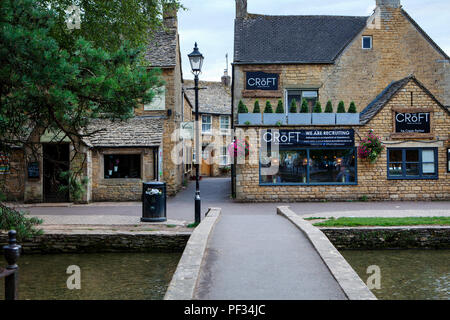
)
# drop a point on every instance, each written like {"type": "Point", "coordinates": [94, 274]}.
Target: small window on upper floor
{"type": "Point", "coordinates": [367, 42]}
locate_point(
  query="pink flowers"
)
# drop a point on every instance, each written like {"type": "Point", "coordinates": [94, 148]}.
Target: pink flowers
{"type": "Point", "coordinates": [370, 147]}
{"type": "Point", "coordinates": [239, 148]}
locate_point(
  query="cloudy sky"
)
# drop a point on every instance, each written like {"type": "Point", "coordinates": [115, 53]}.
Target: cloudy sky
{"type": "Point", "coordinates": [211, 24]}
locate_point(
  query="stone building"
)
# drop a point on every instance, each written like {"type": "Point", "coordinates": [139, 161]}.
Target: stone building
{"type": "Point", "coordinates": [215, 122]}
{"type": "Point", "coordinates": [398, 78]}
{"type": "Point", "coordinates": [119, 156]}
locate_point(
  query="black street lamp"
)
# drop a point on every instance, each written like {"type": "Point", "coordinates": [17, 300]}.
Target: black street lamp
{"type": "Point", "coordinates": [196, 60]}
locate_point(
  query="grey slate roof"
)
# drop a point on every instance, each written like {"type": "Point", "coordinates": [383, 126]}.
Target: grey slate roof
{"type": "Point", "coordinates": [135, 132]}
{"type": "Point", "coordinates": [215, 99]}
{"type": "Point", "coordinates": [162, 48]}
{"type": "Point", "coordinates": [293, 39]}
{"type": "Point", "coordinates": [384, 97]}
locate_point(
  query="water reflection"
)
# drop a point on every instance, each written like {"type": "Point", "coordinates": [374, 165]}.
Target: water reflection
{"type": "Point", "coordinates": [103, 276]}
{"type": "Point", "coordinates": [406, 274]}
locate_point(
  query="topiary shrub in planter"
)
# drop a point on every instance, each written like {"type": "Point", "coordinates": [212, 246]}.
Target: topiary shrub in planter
{"type": "Point", "coordinates": [347, 118]}
{"type": "Point", "coordinates": [319, 118]}
{"type": "Point", "coordinates": [247, 118]}
{"type": "Point", "coordinates": [329, 107]}
{"type": "Point", "coordinates": [256, 108]}
{"type": "Point", "coordinates": [271, 118]}
{"type": "Point", "coordinates": [299, 118]}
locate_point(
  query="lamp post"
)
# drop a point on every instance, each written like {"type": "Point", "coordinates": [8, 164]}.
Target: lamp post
{"type": "Point", "coordinates": [196, 61]}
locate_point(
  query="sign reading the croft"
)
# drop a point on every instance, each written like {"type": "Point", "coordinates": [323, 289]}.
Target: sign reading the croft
{"type": "Point", "coordinates": [306, 138]}
{"type": "Point", "coordinates": [412, 122]}
{"type": "Point", "coordinates": [258, 80]}
{"type": "Point", "coordinates": [33, 170]}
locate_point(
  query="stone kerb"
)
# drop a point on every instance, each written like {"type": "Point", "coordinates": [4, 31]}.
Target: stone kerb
{"type": "Point", "coordinates": [352, 285]}
{"type": "Point", "coordinates": [184, 281]}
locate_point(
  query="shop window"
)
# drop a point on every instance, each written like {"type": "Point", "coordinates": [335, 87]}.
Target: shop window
{"type": "Point", "coordinates": [367, 42]}
{"type": "Point", "coordinates": [310, 166]}
{"type": "Point", "coordinates": [412, 163]}
{"type": "Point", "coordinates": [310, 96]}
{"type": "Point", "coordinates": [4, 163]}
{"type": "Point", "coordinates": [225, 124]}
{"type": "Point", "coordinates": [122, 166]}
{"type": "Point", "coordinates": [206, 124]}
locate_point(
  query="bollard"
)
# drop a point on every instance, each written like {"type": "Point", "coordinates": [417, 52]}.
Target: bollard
{"type": "Point", "coordinates": [12, 253]}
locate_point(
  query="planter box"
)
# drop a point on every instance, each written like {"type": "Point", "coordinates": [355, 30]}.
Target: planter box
{"type": "Point", "coordinates": [273, 118]}
{"type": "Point", "coordinates": [347, 118]}
{"type": "Point", "coordinates": [299, 118]}
{"type": "Point", "coordinates": [253, 118]}
{"type": "Point", "coordinates": [324, 118]}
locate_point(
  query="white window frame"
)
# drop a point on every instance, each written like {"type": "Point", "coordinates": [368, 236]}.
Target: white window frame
{"type": "Point", "coordinates": [224, 157]}
{"type": "Point", "coordinates": [371, 42]}
{"type": "Point", "coordinates": [226, 130]}
{"type": "Point", "coordinates": [207, 123]}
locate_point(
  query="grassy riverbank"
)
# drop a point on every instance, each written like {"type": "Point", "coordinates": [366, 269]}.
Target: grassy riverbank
{"type": "Point", "coordinates": [382, 222]}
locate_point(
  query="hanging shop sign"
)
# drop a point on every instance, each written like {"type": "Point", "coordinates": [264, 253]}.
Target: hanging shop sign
{"type": "Point", "coordinates": [309, 138]}
{"type": "Point", "coordinates": [258, 80]}
{"type": "Point", "coordinates": [412, 122]}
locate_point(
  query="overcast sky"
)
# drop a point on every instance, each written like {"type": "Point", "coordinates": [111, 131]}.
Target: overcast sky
{"type": "Point", "coordinates": [211, 24]}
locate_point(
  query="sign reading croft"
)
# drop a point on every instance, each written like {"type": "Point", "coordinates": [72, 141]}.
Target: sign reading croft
{"type": "Point", "coordinates": [412, 122]}
{"type": "Point", "coordinates": [258, 80]}
{"type": "Point", "coordinates": [308, 138]}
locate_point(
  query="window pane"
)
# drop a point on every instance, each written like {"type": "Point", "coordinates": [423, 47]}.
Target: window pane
{"type": "Point", "coordinates": [427, 155]}
{"type": "Point", "coordinates": [333, 166]}
{"type": "Point", "coordinates": [367, 42]}
{"type": "Point", "coordinates": [295, 94]}
{"type": "Point", "coordinates": [412, 169]}
{"type": "Point", "coordinates": [428, 169]}
{"type": "Point", "coordinates": [395, 169]}
{"type": "Point", "coordinates": [122, 166]}
{"type": "Point", "coordinates": [309, 94]}
{"type": "Point", "coordinates": [291, 167]}
{"type": "Point", "coordinates": [412, 155]}
{"type": "Point", "coordinates": [395, 156]}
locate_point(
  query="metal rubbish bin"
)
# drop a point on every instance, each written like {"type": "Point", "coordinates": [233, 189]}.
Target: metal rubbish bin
{"type": "Point", "coordinates": [154, 205]}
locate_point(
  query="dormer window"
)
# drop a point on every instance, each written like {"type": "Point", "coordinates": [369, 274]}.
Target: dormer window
{"type": "Point", "coordinates": [367, 42]}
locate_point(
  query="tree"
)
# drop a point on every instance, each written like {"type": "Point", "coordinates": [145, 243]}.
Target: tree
{"type": "Point", "coordinates": [341, 107]}
{"type": "Point", "coordinates": [304, 108]}
{"type": "Point", "coordinates": [293, 108]}
{"type": "Point", "coordinates": [256, 107]}
{"type": "Point", "coordinates": [329, 107]}
{"type": "Point", "coordinates": [44, 85]}
{"type": "Point", "coordinates": [268, 108]}
{"type": "Point", "coordinates": [242, 108]}
{"type": "Point", "coordinates": [280, 108]}
{"type": "Point", "coordinates": [317, 107]}
{"type": "Point", "coordinates": [108, 23]}
{"type": "Point", "coordinates": [352, 108]}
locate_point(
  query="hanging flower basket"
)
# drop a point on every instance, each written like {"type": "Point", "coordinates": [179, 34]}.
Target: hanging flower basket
{"type": "Point", "coordinates": [370, 148]}
{"type": "Point", "coordinates": [239, 148]}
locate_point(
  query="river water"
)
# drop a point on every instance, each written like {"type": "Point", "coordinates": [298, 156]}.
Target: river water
{"type": "Point", "coordinates": [405, 274]}
{"type": "Point", "coordinates": [129, 276]}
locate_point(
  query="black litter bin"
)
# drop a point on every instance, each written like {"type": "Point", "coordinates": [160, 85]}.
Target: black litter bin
{"type": "Point", "coordinates": [154, 202]}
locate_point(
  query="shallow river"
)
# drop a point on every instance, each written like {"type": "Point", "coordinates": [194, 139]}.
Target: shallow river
{"type": "Point", "coordinates": [405, 274]}
{"type": "Point", "coordinates": [126, 276]}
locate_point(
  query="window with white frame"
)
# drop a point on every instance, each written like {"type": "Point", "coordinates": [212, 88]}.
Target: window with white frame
{"type": "Point", "coordinates": [224, 157]}
{"type": "Point", "coordinates": [225, 124]}
{"type": "Point", "coordinates": [206, 124]}
{"type": "Point", "coordinates": [300, 95]}
{"type": "Point", "coordinates": [367, 42]}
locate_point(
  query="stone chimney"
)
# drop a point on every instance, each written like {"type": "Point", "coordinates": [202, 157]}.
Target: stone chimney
{"type": "Point", "coordinates": [241, 8]}
{"type": "Point", "coordinates": [388, 4]}
{"type": "Point", "coordinates": [170, 15]}
{"type": "Point", "coordinates": [226, 79]}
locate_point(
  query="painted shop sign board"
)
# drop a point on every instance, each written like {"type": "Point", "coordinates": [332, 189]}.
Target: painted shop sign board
{"type": "Point", "coordinates": [33, 170]}
{"type": "Point", "coordinates": [309, 138]}
{"type": "Point", "coordinates": [418, 122]}
{"type": "Point", "coordinates": [258, 80]}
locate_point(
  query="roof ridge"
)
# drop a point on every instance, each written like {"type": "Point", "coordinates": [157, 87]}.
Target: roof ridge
{"type": "Point", "coordinates": [255, 15]}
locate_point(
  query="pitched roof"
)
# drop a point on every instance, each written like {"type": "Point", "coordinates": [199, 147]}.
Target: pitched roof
{"type": "Point", "coordinates": [214, 99]}
{"type": "Point", "coordinates": [386, 95]}
{"type": "Point", "coordinates": [162, 48]}
{"type": "Point", "coordinates": [135, 132]}
{"type": "Point", "coordinates": [293, 39]}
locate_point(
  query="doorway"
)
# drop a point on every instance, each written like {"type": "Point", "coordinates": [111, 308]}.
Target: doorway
{"type": "Point", "coordinates": [56, 161]}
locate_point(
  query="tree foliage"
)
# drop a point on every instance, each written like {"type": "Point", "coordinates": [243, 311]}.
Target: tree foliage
{"type": "Point", "coordinates": [293, 108]}
{"type": "Point", "coordinates": [280, 108]}
{"type": "Point", "coordinates": [242, 108]}
{"type": "Point", "coordinates": [329, 107]}
{"type": "Point", "coordinates": [268, 108]}
{"type": "Point", "coordinates": [256, 107]}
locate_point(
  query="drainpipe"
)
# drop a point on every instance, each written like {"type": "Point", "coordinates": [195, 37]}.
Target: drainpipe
{"type": "Point", "coordinates": [233, 165]}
